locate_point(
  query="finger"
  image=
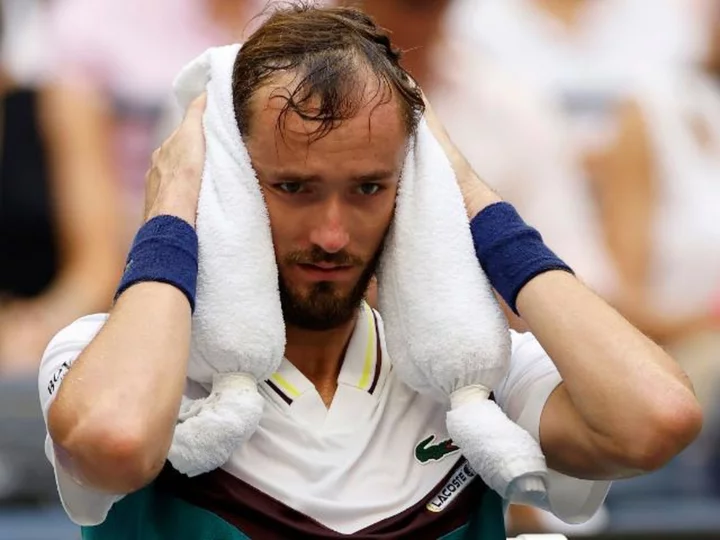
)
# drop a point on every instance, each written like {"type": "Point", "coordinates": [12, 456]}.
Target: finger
{"type": "Point", "coordinates": [195, 110]}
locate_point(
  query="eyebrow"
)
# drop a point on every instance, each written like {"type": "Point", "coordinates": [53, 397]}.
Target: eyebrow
{"type": "Point", "coordinates": [374, 176]}
{"type": "Point", "coordinates": [291, 177]}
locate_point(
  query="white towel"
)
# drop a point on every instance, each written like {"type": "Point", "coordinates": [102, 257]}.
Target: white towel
{"type": "Point", "coordinates": [445, 332]}
{"type": "Point", "coordinates": [238, 333]}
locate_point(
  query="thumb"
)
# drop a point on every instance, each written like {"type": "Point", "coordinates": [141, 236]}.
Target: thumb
{"type": "Point", "coordinates": [195, 111]}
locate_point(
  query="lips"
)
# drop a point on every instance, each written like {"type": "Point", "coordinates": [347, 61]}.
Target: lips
{"type": "Point", "coordinates": [326, 266]}
{"type": "Point", "coordinates": [325, 271]}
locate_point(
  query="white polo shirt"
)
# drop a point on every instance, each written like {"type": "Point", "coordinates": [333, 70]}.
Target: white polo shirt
{"type": "Point", "coordinates": [378, 451]}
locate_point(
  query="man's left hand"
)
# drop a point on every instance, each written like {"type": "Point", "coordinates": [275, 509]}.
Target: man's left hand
{"type": "Point", "coordinates": [476, 193]}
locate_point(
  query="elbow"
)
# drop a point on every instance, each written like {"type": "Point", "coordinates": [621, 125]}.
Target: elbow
{"type": "Point", "coordinates": [109, 457]}
{"type": "Point", "coordinates": [664, 435]}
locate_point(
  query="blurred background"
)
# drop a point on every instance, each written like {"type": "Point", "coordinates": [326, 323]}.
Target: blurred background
{"type": "Point", "coordinates": [598, 119]}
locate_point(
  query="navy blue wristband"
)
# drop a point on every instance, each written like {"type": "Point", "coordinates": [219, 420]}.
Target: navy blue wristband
{"type": "Point", "coordinates": [165, 249]}
{"type": "Point", "coordinates": [510, 252]}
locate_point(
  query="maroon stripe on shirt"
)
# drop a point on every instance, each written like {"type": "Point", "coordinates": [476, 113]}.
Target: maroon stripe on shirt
{"type": "Point", "coordinates": [260, 516]}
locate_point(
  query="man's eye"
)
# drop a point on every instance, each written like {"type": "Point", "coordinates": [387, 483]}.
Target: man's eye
{"type": "Point", "coordinates": [370, 189]}
{"type": "Point", "coordinates": [289, 187]}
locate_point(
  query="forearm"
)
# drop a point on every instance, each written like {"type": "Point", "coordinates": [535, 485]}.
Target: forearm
{"type": "Point", "coordinates": [86, 215]}
{"type": "Point", "coordinates": [663, 328]}
{"type": "Point", "coordinates": [119, 402]}
{"type": "Point", "coordinates": [630, 394]}
{"type": "Point", "coordinates": [624, 404]}
{"type": "Point", "coordinates": [591, 344]}
{"type": "Point", "coordinates": [81, 288]}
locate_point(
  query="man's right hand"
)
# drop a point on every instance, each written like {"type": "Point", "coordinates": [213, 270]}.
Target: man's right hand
{"type": "Point", "coordinates": [172, 185]}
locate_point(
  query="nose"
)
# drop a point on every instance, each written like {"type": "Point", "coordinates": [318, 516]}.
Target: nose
{"type": "Point", "coordinates": [329, 232]}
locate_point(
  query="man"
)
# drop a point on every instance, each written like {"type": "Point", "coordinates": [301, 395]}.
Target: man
{"type": "Point", "coordinates": [326, 113]}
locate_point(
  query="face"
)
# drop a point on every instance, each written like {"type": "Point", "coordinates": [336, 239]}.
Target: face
{"type": "Point", "coordinates": [330, 202]}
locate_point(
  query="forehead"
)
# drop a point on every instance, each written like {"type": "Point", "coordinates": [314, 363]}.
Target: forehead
{"type": "Point", "coordinates": [376, 134]}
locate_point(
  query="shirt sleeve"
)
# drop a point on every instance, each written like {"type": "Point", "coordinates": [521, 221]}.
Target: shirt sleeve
{"type": "Point", "coordinates": [84, 506]}
{"type": "Point", "coordinates": [522, 395]}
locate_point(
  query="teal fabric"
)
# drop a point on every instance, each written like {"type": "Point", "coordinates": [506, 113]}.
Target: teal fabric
{"type": "Point", "coordinates": [151, 515]}
{"type": "Point", "coordinates": [488, 523]}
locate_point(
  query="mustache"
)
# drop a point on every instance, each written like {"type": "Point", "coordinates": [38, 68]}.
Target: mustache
{"type": "Point", "coordinates": [317, 255]}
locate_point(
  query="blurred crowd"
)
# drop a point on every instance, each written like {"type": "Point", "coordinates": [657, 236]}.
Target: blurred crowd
{"type": "Point", "coordinates": [598, 119]}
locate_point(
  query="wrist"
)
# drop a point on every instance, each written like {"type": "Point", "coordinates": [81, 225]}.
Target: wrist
{"type": "Point", "coordinates": [476, 194]}
{"type": "Point", "coordinates": [477, 197]}
{"type": "Point", "coordinates": [510, 252]}
{"type": "Point", "coordinates": [178, 204]}
{"type": "Point", "coordinates": [542, 285]}
{"type": "Point", "coordinates": [165, 250]}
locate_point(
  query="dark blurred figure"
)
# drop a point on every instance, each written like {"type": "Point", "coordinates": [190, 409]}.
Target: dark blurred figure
{"type": "Point", "coordinates": [57, 231]}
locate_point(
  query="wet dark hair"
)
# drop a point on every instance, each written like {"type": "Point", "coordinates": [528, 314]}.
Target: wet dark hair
{"type": "Point", "coordinates": [334, 54]}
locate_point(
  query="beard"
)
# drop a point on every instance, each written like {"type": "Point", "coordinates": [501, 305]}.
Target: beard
{"type": "Point", "coordinates": [324, 306]}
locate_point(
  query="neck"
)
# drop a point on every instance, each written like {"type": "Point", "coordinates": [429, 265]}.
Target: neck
{"type": "Point", "coordinates": [566, 11]}
{"type": "Point", "coordinates": [319, 355]}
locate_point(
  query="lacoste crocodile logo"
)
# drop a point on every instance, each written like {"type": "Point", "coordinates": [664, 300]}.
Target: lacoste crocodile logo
{"type": "Point", "coordinates": [426, 451]}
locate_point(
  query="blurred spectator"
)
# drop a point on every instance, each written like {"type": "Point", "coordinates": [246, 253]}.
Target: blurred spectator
{"type": "Point", "coordinates": [659, 193]}
{"type": "Point", "coordinates": [23, 40]}
{"type": "Point", "coordinates": [57, 229]}
{"type": "Point", "coordinates": [114, 63]}
{"type": "Point", "coordinates": [589, 55]}
{"type": "Point", "coordinates": [549, 42]}
{"type": "Point", "coordinates": [73, 169]}
{"type": "Point", "coordinates": [592, 58]}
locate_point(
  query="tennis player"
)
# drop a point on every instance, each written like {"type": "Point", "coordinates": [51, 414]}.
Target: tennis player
{"type": "Point", "coordinates": [344, 449]}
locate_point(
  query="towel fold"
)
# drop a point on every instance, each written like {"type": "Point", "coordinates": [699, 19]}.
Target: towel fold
{"type": "Point", "coordinates": [444, 330]}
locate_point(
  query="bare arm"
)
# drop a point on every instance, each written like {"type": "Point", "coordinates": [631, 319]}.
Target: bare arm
{"type": "Point", "coordinates": [114, 415]}
{"type": "Point", "coordinates": [77, 127]}
{"type": "Point", "coordinates": [626, 190]}
{"type": "Point", "coordinates": [625, 406]}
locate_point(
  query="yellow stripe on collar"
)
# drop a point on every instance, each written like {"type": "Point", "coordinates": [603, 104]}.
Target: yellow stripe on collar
{"type": "Point", "coordinates": [370, 360]}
